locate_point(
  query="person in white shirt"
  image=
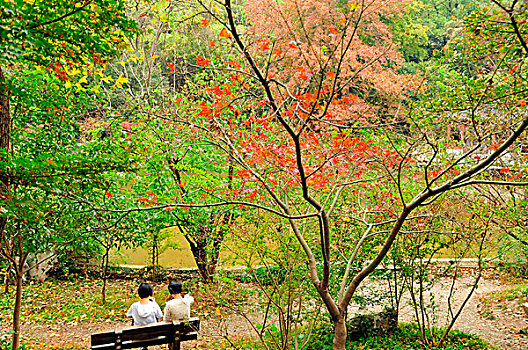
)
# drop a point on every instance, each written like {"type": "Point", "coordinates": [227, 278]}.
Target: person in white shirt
{"type": "Point", "coordinates": [146, 310]}
{"type": "Point", "coordinates": [178, 307]}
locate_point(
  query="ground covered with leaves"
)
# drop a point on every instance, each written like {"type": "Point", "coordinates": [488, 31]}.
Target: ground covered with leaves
{"type": "Point", "coordinates": [59, 314]}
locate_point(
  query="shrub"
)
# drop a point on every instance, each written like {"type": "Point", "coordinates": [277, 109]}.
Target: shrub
{"type": "Point", "coordinates": [405, 337]}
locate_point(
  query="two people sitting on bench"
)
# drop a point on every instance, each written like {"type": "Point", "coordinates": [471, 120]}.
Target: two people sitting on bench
{"type": "Point", "coordinates": [147, 311]}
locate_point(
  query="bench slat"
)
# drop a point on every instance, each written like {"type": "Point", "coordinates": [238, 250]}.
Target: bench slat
{"type": "Point", "coordinates": [109, 346]}
{"type": "Point", "coordinates": [190, 325]}
{"type": "Point", "coordinates": [103, 338]}
{"type": "Point", "coordinates": [146, 332]}
{"type": "Point", "coordinates": [189, 336]}
{"type": "Point", "coordinates": [142, 343]}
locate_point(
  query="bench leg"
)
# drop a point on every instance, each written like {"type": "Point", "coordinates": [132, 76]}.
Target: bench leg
{"type": "Point", "coordinates": [174, 346]}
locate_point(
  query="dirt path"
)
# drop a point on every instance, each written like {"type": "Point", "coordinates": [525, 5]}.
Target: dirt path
{"type": "Point", "coordinates": [502, 331]}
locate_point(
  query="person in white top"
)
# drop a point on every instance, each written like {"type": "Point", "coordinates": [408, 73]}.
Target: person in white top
{"type": "Point", "coordinates": [146, 310]}
{"type": "Point", "coordinates": [178, 307]}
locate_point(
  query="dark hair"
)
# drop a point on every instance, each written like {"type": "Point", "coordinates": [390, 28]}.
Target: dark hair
{"type": "Point", "coordinates": [145, 290]}
{"type": "Point", "coordinates": [175, 287]}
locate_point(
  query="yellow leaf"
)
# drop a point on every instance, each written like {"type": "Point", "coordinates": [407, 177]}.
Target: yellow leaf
{"type": "Point", "coordinates": [217, 311]}
{"type": "Point", "coordinates": [225, 34]}
{"type": "Point", "coordinates": [353, 5]}
{"type": "Point", "coordinates": [107, 79]}
{"type": "Point", "coordinates": [83, 80]}
{"type": "Point", "coordinates": [68, 84]}
{"type": "Point", "coordinates": [121, 80]}
{"type": "Point", "coordinates": [74, 71]}
{"type": "Point", "coordinates": [122, 63]}
{"type": "Point", "coordinates": [155, 56]}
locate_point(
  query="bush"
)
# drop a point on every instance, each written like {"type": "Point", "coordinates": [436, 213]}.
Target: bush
{"type": "Point", "coordinates": [265, 276]}
{"type": "Point", "coordinates": [5, 342]}
{"type": "Point", "coordinates": [405, 337]}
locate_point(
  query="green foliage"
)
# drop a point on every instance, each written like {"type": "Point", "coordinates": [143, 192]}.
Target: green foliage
{"type": "Point", "coordinates": [427, 26]}
{"type": "Point", "coordinates": [53, 174]}
{"type": "Point", "coordinates": [39, 31]}
{"type": "Point", "coordinates": [405, 337]}
{"type": "Point", "coordinates": [264, 275]}
{"type": "Point", "coordinates": [5, 343]}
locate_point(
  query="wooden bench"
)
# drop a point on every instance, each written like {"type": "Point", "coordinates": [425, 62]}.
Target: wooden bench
{"type": "Point", "coordinates": [172, 333]}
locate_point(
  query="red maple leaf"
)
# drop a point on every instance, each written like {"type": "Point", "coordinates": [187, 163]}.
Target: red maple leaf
{"type": "Point", "coordinates": [264, 45]}
{"type": "Point", "coordinates": [202, 62]}
{"type": "Point", "coordinates": [205, 111]}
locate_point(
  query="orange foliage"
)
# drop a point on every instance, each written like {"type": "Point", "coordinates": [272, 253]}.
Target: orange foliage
{"type": "Point", "coordinates": [351, 44]}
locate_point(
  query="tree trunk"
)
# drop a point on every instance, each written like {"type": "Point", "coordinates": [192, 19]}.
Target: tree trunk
{"type": "Point", "coordinates": [154, 248]}
{"type": "Point", "coordinates": [16, 312]}
{"type": "Point", "coordinates": [5, 132]}
{"type": "Point", "coordinates": [19, 272]}
{"type": "Point", "coordinates": [5, 116]}
{"type": "Point", "coordinates": [340, 333]}
{"type": "Point", "coordinates": [200, 256]}
{"type": "Point", "coordinates": [104, 272]}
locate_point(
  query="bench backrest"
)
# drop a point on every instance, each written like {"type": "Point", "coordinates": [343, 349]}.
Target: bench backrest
{"type": "Point", "coordinates": [152, 334]}
{"type": "Point", "coordinates": [104, 340]}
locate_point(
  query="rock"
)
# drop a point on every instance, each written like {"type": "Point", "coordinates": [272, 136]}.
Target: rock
{"type": "Point", "coordinates": [364, 322]}
{"type": "Point", "coordinates": [38, 265]}
{"type": "Point", "coordinates": [525, 308]}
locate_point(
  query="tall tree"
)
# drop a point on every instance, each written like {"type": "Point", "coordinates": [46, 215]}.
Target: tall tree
{"type": "Point", "coordinates": [158, 61]}
{"type": "Point", "coordinates": [55, 35]}
{"type": "Point", "coordinates": [325, 119]}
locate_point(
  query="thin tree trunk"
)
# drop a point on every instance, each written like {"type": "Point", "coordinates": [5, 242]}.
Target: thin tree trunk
{"type": "Point", "coordinates": [5, 117]}
{"type": "Point", "coordinates": [16, 311]}
{"type": "Point", "coordinates": [156, 273]}
{"type": "Point", "coordinates": [104, 272]}
{"type": "Point", "coordinates": [154, 245]}
{"type": "Point", "coordinates": [18, 295]}
{"type": "Point", "coordinates": [5, 132]}
{"type": "Point", "coordinates": [340, 333]}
